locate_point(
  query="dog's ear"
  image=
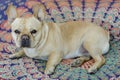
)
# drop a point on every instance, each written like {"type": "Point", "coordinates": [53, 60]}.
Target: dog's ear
{"type": "Point", "coordinates": [39, 11]}
{"type": "Point", "coordinates": [11, 13]}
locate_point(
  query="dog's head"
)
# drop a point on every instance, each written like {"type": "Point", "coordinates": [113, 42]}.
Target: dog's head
{"type": "Point", "coordinates": [26, 31]}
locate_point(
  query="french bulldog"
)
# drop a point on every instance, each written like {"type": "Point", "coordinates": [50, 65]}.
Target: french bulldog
{"type": "Point", "coordinates": [56, 41]}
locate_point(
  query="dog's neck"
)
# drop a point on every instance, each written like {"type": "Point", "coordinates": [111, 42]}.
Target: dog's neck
{"type": "Point", "coordinates": [44, 35]}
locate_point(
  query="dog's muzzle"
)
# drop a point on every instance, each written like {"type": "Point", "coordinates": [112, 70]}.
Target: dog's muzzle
{"type": "Point", "coordinates": [25, 41]}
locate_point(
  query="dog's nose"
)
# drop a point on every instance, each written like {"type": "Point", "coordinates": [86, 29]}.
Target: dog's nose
{"type": "Point", "coordinates": [25, 37]}
{"type": "Point", "coordinates": [25, 41]}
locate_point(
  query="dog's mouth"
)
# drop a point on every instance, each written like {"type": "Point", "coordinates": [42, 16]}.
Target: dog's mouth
{"type": "Point", "coordinates": [25, 43]}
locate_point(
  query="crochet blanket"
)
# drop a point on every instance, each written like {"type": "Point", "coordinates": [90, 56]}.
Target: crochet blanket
{"type": "Point", "coordinates": [105, 13]}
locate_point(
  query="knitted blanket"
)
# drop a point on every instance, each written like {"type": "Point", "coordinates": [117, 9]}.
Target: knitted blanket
{"type": "Point", "coordinates": [105, 13]}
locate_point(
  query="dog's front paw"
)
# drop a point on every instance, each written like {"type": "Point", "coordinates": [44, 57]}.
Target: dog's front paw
{"type": "Point", "coordinates": [49, 70]}
{"type": "Point", "coordinates": [12, 56]}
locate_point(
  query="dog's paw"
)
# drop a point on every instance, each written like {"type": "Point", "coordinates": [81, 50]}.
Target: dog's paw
{"type": "Point", "coordinates": [76, 63]}
{"type": "Point", "coordinates": [92, 70]}
{"type": "Point", "coordinates": [79, 61]}
{"type": "Point", "coordinates": [14, 56]}
{"type": "Point", "coordinates": [49, 70]}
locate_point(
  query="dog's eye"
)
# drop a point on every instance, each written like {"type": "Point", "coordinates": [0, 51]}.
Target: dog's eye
{"type": "Point", "coordinates": [33, 32]}
{"type": "Point", "coordinates": [17, 31]}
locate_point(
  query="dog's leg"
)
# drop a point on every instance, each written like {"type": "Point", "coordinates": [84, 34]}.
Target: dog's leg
{"type": "Point", "coordinates": [53, 60]}
{"type": "Point", "coordinates": [96, 54]}
{"type": "Point", "coordinates": [17, 54]}
{"type": "Point", "coordinates": [79, 61]}
{"type": "Point", "coordinates": [99, 61]}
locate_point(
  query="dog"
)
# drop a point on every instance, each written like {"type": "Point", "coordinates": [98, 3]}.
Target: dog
{"type": "Point", "coordinates": [56, 41]}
